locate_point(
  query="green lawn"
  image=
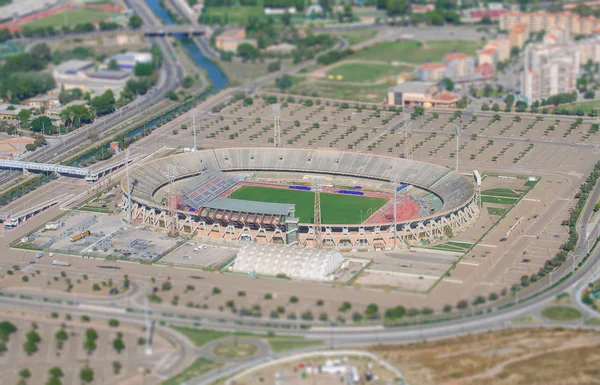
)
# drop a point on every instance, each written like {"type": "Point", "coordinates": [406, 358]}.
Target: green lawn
{"type": "Point", "coordinates": [502, 192]}
{"type": "Point", "coordinates": [495, 210]}
{"type": "Point", "coordinates": [280, 345]}
{"type": "Point", "coordinates": [197, 368]}
{"type": "Point", "coordinates": [339, 90]}
{"type": "Point", "coordinates": [234, 15]}
{"type": "Point", "coordinates": [335, 208]}
{"type": "Point", "coordinates": [586, 107]}
{"type": "Point", "coordinates": [531, 183]}
{"type": "Point", "coordinates": [200, 337]}
{"type": "Point", "coordinates": [464, 245]}
{"type": "Point", "coordinates": [364, 73]}
{"type": "Point", "coordinates": [561, 313]}
{"type": "Point", "coordinates": [355, 37]}
{"type": "Point", "coordinates": [416, 52]}
{"type": "Point", "coordinates": [73, 17]}
{"type": "Point", "coordinates": [502, 201]}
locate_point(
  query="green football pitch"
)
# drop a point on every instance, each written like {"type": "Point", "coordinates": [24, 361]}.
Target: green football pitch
{"type": "Point", "coordinates": [335, 208]}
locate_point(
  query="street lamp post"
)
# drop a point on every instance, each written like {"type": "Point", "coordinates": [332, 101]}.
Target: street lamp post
{"type": "Point", "coordinates": [457, 134]}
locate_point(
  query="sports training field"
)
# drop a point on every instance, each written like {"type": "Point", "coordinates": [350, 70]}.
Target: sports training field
{"type": "Point", "coordinates": [71, 17]}
{"type": "Point", "coordinates": [335, 208]}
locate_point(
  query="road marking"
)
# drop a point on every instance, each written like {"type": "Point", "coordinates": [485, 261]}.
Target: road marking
{"type": "Point", "coordinates": [449, 280]}
{"type": "Point", "coordinates": [531, 200]}
{"type": "Point", "coordinates": [563, 199]}
{"type": "Point", "coordinates": [530, 236]}
{"type": "Point", "coordinates": [486, 245]}
{"type": "Point", "coordinates": [579, 175]}
{"type": "Point", "coordinates": [469, 263]}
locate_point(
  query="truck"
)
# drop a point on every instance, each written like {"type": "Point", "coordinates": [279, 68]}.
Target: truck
{"type": "Point", "coordinates": [80, 236]}
{"type": "Point", "coordinates": [56, 262]}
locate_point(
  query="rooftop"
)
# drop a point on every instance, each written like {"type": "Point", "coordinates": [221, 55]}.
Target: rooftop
{"type": "Point", "coordinates": [235, 33]}
{"type": "Point", "coordinates": [456, 56]}
{"type": "Point", "coordinates": [111, 75]}
{"type": "Point", "coordinates": [244, 206]}
{"type": "Point", "coordinates": [413, 87]}
{"type": "Point", "coordinates": [73, 66]}
{"type": "Point", "coordinates": [432, 66]}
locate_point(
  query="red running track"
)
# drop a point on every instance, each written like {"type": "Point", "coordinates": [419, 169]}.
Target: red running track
{"type": "Point", "coordinates": [406, 209]}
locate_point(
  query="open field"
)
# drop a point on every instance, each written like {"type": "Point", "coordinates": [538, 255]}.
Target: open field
{"type": "Point", "coordinates": [355, 37]}
{"type": "Point", "coordinates": [233, 15]}
{"type": "Point", "coordinates": [561, 313]}
{"type": "Point", "coordinates": [335, 208]}
{"type": "Point", "coordinates": [586, 107]}
{"type": "Point", "coordinates": [363, 72]}
{"type": "Point", "coordinates": [71, 18]}
{"type": "Point", "coordinates": [338, 90]}
{"type": "Point", "coordinates": [415, 52]}
{"type": "Point", "coordinates": [515, 357]}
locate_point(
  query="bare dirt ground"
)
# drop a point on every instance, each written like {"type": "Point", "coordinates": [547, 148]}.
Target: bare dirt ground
{"type": "Point", "coordinates": [515, 357]}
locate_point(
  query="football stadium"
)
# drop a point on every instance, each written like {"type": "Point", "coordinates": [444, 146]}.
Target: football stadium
{"type": "Point", "coordinates": [275, 195]}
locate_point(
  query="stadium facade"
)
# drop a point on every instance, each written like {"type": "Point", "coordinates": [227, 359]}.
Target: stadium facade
{"type": "Point", "coordinates": [206, 176]}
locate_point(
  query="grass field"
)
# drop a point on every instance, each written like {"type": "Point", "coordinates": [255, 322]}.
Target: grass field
{"type": "Point", "coordinates": [499, 200]}
{"type": "Point", "coordinates": [364, 73]}
{"type": "Point", "coordinates": [199, 367]}
{"type": "Point", "coordinates": [339, 90]}
{"type": "Point", "coordinates": [531, 183]}
{"type": "Point", "coordinates": [561, 313]}
{"type": "Point", "coordinates": [234, 15]}
{"type": "Point", "coordinates": [355, 37]}
{"type": "Point", "coordinates": [503, 192]}
{"type": "Point", "coordinates": [335, 208]}
{"type": "Point", "coordinates": [586, 107]}
{"type": "Point", "coordinates": [495, 210]}
{"type": "Point", "coordinates": [416, 52]}
{"type": "Point", "coordinates": [280, 345]}
{"type": "Point", "coordinates": [73, 17]}
{"type": "Point", "coordinates": [200, 337]}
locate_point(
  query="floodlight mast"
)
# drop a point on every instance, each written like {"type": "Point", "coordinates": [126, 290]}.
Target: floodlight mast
{"type": "Point", "coordinates": [194, 128]}
{"type": "Point", "coordinates": [128, 186]}
{"type": "Point", "coordinates": [407, 123]}
{"type": "Point", "coordinates": [276, 125]}
{"type": "Point", "coordinates": [457, 134]}
{"type": "Point", "coordinates": [396, 183]}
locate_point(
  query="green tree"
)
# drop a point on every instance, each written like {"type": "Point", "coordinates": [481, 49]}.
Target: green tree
{"type": "Point", "coordinates": [449, 84]}
{"type": "Point", "coordinates": [284, 82]}
{"type": "Point", "coordinates": [113, 65]}
{"type": "Point", "coordinates": [6, 329]}
{"type": "Point", "coordinates": [104, 104]}
{"type": "Point", "coordinates": [118, 345]}
{"type": "Point", "coordinates": [113, 323]}
{"type": "Point", "coordinates": [43, 124]}
{"type": "Point", "coordinates": [247, 52]}
{"type": "Point", "coordinates": [116, 365]}
{"type": "Point", "coordinates": [24, 373]}
{"type": "Point", "coordinates": [86, 374]}
{"type": "Point", "coordinates": [187, 82]}
{"type": "Point", "coordinates": [61, 335]}
{"type": "Point", "coordinates": [495, 107]}
{"type": "Point", "coordinates": [171, 95]}
{"type": "Point", "coordinates": [55, 372]}
{"type": "Point", "coordinates": [30, 347]}
{"type": "Point", "coordinates": [135, 21]}
{"type": "Point", "coordinates": [23, 115]}
{"type": "Point", "coordinates": [396, 8]}
{"type": "Point", "coordinates": [143, 69]}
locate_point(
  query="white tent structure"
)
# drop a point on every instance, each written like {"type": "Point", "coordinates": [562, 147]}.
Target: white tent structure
{"type": "Point", "coordinates": [294, 262]}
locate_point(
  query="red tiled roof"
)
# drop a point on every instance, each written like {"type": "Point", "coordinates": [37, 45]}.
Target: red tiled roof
{"type": "Point", "coordinates": [431, 66]}
{"type": "Point", "coordinates": [456, 56]}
